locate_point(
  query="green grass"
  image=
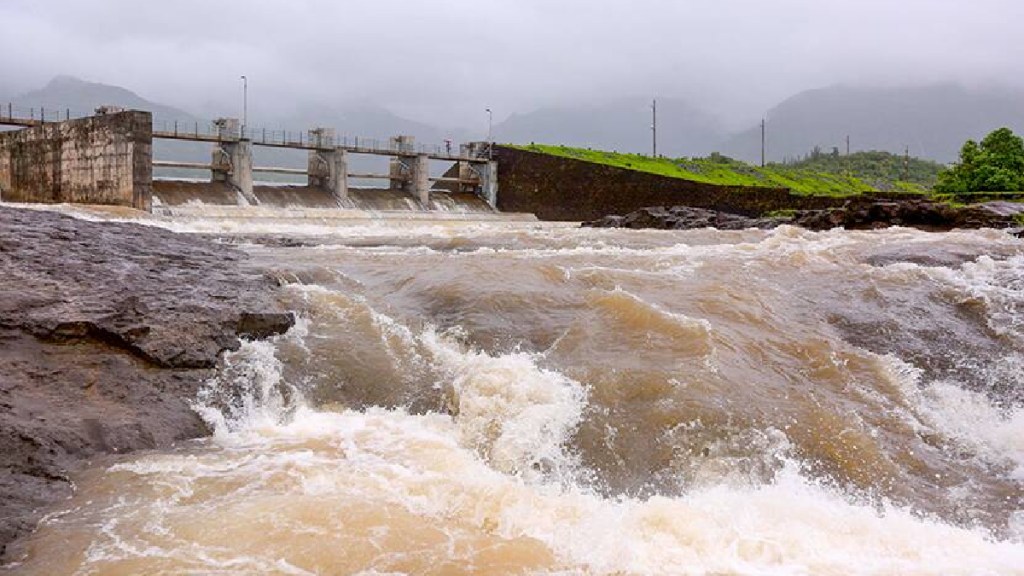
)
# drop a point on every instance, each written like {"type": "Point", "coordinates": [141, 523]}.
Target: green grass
{"type": "Point", "coordinates": [723, 171]}
{"type": "Point", "coordinates": [878, 168]}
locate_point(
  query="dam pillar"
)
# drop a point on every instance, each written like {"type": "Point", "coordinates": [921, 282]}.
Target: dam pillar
{"type": "Point", "coordinates": [328, 166]}
{"type": "Point", "coordinates": [466, 172]}
{"type": "Point", "coordinates": [489, 182]}
{"type": "Point", "coordinates": [420, 177]}
{"type": "Point", "coordinates": [400, 168]}
{"type": "Point", "coordinates": [232, 159]}
{"type": "Point", "coordinates": [485, 171]}
{"type": "Point", "coordinates": [328, 169]}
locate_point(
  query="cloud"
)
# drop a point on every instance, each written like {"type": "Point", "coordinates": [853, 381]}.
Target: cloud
{"type": "Point", "coordinates": [446, 60]}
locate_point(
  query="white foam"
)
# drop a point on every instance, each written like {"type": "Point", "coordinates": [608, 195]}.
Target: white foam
{"type": "Point", "coordinates": [994, 433]}
{"type": "Point", "coordinates": [517, 414]}
{"type": "Point", "coordinates": [417, 463]}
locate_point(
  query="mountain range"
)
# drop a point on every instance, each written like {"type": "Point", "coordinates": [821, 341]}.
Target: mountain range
{"type": "Point", "coordinates": [933, 121]}
{"type": "Point", "coordinates": [622, 125]}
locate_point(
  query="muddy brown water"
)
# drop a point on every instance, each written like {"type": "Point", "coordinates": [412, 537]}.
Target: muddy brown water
{"type": "Point", "coordinates": [531, 398]}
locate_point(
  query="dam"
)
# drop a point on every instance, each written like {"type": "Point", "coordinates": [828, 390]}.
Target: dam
{"type": "Point", "coordinates": [108, 159]}
{"type": "Point", "coordinates": [113, 158]}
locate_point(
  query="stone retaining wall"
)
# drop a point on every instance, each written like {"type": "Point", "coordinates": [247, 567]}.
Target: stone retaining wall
{"type": "Point", "coordinates": [103, 159]}
{"type": "Point", "coordinates": [557, 188]}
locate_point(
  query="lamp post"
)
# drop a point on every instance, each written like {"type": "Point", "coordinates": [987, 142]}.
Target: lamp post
{"type": "Point", "coordinates": [490, 125]}
{"type": "Point", "coordinates": [764, 123]}
{"type": "Point", "coordinates": [654, 128]}
{"type": "Point", "coordinates": [245, 104]}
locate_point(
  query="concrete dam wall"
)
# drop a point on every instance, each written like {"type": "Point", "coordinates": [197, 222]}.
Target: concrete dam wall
{"type": "Point", "coordinates": [108, 159]}
{"type": "Point", "coordinates": [105, 159]}
{"type": "Point", "coordinates": [557, 188]}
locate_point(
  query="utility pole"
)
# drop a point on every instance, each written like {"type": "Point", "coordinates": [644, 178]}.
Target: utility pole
{"type": "Point", "coordinates": [245, 104]}
{"type": "Point", "coordinates": [847, 144]}
{"type": "Point", "coordinates": [654, 128]}
{"type": "Point", "coordinates": [490, 126]}
{"type": "Point", "coordinates": [763, 128]}
{"type": "Point", "coordinates": [906, 164]}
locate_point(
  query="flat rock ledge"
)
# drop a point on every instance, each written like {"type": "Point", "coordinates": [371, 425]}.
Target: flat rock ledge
{"type": "Point", "coordinates": [862, 213]}
{"type": "Point", "coordinates": [107, 331]}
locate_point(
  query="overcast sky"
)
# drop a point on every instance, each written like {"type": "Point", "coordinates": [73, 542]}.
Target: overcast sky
{"type": "Point", "coordinates": [444, 61]}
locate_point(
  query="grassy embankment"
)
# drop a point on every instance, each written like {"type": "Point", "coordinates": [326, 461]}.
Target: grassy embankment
{"type": "Point", "coordinates": [725, 171]}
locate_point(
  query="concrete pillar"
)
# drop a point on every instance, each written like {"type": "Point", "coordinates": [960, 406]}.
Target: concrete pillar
{"type": "Point", "coordinates": [420, 176]}
{"type": "Point", "coordinates": [232, 164]}
{"type": "Point", "coordinates": [228, 128]}
{"type": "Point", "coordinates": [406, 144]}
{"type": "Point", "coordinates": [485, 172]}
{"type": "Point", "coordinates": [400, 169]}
{"type": "Point", "coordinates": [489, 182]}
{"type": "Point", "coordinates": [466, 171]}
{"type": "Point", "coordinates": [328, 169]}
{"type": "Point", "coordinates": [322, 138]}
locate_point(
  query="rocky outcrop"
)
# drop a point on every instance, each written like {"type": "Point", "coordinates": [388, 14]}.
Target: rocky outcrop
{"type": "Point", "coordinates": [107, 330]}
{"type": "Point", "coordinates": [683, 218]}
{"type": "Point", "coordinates": [866, 214]}
{"type": "Point", "coordinates": [861, 213]}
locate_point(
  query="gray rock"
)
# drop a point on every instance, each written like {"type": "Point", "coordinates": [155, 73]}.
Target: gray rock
{"type": "Point", "coordinates": [859, 213]}
{"type": "Point", "coordinates": [682, 218]}
{"type": "Point", "coordinates": [107, 330]}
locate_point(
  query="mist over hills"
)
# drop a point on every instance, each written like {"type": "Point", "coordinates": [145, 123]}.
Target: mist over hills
{"type": "Point", "coordinates": [933, 121]}
{"type": "Point", "coordinates": [622, 125]}
{"type": "Point", "coordinates": [82, 98]}
{"type": "Point", "coordinates": [365, 122]}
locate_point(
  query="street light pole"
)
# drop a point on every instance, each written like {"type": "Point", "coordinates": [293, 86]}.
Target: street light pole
{"type": "Point", "coordinates": [490, 125]}
{"type": "Point", "coordinates": [763, 128]}
{"type": "Point", "coordinates": [654, 128]}
{"type": "Point", "coordinates": [245, 104]}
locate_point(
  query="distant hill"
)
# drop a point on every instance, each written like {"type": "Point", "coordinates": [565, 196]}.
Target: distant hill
{"type": "Point", "coordinates": [364, 122]}
{"type": "Point", "coordinates": [875, 167]}
{"type": "Point", "coordinates": [82, 98]}
{"type": "Point", "coordinates": [623, 125]}
{"type": "Point", "coordinates": [934, 121]}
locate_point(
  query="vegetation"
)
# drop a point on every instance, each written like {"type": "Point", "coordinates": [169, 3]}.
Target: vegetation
{"type": "Point", "coordinates": [995, 165]}
{"type": "Point", "coordinates": [724, 171]}
{"type": "Point", "coordinates": [877, 168]}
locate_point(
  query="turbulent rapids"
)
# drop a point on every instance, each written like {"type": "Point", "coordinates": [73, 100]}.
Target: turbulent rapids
{"type": "Point", "coordinates": [501, 398]}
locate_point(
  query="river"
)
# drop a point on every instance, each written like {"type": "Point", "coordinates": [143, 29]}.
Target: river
{"type": "Point", "coordinates": [530, 398]}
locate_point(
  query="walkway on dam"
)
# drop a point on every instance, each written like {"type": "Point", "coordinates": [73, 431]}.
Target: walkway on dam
{"type": "Point", "coordinates": [218, 131]}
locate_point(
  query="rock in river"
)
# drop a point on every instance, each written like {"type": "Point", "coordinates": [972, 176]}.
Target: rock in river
{"type": "Point", "coordinates": [106, 332]}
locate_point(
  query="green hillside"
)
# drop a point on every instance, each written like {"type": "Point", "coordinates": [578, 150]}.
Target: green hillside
{"type": "Point", "coordinates": [724, 171]}
{"type": "Point", "coordinates": [874, 167]}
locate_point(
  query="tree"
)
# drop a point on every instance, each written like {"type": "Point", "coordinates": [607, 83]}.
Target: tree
{"type": "Point", "coordinates": [995, 165]}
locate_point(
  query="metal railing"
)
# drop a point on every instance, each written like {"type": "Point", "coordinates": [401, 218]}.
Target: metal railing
{"type": "Point", "coordinates": [232, 131]}
{"type": "Point", "coordinates": [41, 114]}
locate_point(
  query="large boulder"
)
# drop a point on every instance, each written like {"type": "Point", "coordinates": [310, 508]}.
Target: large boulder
{"type": "Point", "coordinates": [859, 213]}
{"type": "Point", "coordinates": [107, 331]}
{"type": "Point", "coordinates": [867, 213]}
{"type": "Point", "coordinates": [682, 218]}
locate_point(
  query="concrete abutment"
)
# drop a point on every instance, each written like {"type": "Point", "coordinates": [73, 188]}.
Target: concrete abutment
{"type": "Point", "coordinates": [103, 159]}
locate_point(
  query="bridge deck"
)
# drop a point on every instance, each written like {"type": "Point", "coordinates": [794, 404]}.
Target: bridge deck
{"type": "Point", "coordinates": [297, 145]}
{"type": "Point", "coordinates": [197, 136]}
